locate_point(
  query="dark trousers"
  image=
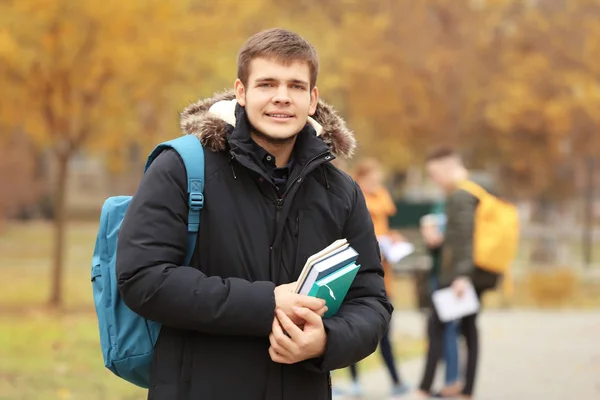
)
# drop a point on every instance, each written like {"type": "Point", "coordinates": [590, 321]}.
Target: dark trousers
{"type": "Point", "coordinates": [435, 332]}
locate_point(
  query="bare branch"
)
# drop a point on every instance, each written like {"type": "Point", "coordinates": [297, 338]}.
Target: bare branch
{"type": "Point", "coordinates": [88, 43]}
{"type": "Point", "coordinates": [91, 96]}
{"type": "Point", "coordinates": [89, 100]}
{"type": "Point", "coordinates": [47, 111]}
{"type": "Point", "coordinates": [14, 75]}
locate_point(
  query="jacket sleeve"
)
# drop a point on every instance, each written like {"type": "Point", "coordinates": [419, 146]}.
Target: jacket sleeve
{"type": "Point", "coordinates": [356, 330]}
{"type": "Point", "coordinates": [460, 232]}
{"type": "Point", "coordinates": [152, 279]}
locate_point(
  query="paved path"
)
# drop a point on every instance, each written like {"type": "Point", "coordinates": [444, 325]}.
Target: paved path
{"type": "Point", "coordinates": [525, 355]}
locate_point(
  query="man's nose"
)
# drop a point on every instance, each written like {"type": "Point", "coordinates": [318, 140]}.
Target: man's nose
{"type": "Point", "coordinates": [282, 96]}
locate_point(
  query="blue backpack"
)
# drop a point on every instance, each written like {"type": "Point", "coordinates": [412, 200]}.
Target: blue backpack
{"type": "Point", "coordinates": [127, 339]}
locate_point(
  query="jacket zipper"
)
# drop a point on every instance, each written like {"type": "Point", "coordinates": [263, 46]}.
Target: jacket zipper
{"type": "Point", "coordinates": [300, 175]}
{"type": "Point", "coordinates": [280, 199]}
{"type": "Point", "coordinates": [279, 202]}
{"type": "Point", "coordinates": [278, 208]}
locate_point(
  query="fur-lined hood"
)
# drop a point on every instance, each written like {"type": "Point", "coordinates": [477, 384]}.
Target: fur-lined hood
{"type": "Point", "coordinates": [209, 119]}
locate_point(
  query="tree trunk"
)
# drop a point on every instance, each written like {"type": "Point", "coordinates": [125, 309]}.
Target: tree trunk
{"type": "Point", "coordinates": [588, 221]}
{"type": "Point", "coordinates": [59, 222]}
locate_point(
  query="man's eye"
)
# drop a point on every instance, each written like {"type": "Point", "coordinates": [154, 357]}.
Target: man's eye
{"type": "Point", "coordinates": [298, 87]}
{"type": "Point", "coordinates": [265, 85]}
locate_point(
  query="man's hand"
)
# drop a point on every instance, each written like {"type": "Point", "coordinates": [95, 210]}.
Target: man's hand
{"type": "Point", "coordinates": [432, 236]}
{"type": "Point", "coordinates": [286, 300]}
{"type": "Point", "coordinates": [459, 285]}
{"type": "Point", "coordinates": [396, 236]}
{"type": "Point", "coordinates": [297, 345]}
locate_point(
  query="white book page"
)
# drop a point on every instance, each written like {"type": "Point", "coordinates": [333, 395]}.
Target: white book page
{"type": "Point", "coordinates": [322, 265]}
{"type": "Point", "coordinates": [316, 257]}
{"type": "Point", "coordinates": [449, 307]}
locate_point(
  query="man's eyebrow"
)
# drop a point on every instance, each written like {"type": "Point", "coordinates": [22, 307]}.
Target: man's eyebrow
{"type": "Point", "coordinates": [299, 81]}
{"type": "Point", "coordinates": [268, 79]}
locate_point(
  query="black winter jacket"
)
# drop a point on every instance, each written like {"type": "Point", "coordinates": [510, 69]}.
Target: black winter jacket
{"type": "Point", "coordinates": [217, 312]}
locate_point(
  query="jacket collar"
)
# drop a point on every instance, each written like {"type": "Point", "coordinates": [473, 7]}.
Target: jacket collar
{"type": "Point", "coordinates": [219, 121]}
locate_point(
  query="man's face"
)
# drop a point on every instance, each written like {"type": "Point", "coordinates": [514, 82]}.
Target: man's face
{"type": "Point", "coordinates": [371, 182]}
{"type": "Point", "coordinates": [277, 98]}
{"type": "Point", "coordinates": [440, 171]}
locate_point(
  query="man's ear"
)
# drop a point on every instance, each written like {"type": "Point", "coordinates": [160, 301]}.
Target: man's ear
{"type": "Point", "coordinates": [240, 92]}
{"type": "Point", "coordinates": [314, 100]}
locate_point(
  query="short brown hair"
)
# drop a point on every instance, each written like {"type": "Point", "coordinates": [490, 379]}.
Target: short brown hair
{"type": "Point", "coordinates": [280, 44]}
{"type": "Point", "coordinates": [441, 152]}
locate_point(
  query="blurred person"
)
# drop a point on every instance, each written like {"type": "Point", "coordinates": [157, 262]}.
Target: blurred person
{"type": "Point", "coordinates": [457, 269]}
{"type": "Point", "coordinates": [432, 230]}
{"type": "Point", "coordinates": [232, 326]}
{"type": "Point", "coordinates": [369, 175]}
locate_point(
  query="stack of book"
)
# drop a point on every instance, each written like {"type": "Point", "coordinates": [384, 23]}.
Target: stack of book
{"type": "Point", "coordinates": [329, 274]}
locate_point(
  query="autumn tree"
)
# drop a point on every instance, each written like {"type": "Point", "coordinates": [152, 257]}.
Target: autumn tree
{"type": "Point", "coordinates": [540, 100]}
{"type": "Point", "coordinates": [73, 70]}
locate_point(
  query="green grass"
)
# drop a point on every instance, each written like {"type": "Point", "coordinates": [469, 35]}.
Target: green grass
{"type": "Point", "coordinates": [25, 262]}
{"type": "Point", "coordinates": [56, 355]}
{"type": "Point", "coordinates": [48, 356]}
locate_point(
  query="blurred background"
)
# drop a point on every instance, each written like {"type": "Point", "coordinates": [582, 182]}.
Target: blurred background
{"type": "Point", "coordinates": [87, 88]}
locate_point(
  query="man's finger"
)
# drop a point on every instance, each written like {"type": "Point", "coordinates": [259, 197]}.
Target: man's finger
{"type": "Point", "coordinates": [278, 358]}
{"type": "Point", "coordinates": [313, 303]}
{"type": "Point", "coordinates": [278, 347]}
{"type": "Point", "coordinates": [283, 341]}
{"type": "Point", "coordinates": [308, 315]}
{"type": "Point", "coordinates": [288, 325]}
{"type": "Point", "coordinates": [322, 311]}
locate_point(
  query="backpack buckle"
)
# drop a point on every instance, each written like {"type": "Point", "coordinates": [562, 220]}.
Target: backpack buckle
{"type": "Point", "coordinates": [196, 200]}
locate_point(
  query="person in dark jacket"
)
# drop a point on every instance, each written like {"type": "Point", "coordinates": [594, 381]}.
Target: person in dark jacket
{"type": "Point", "coordinates": [432, 231]}
{"type": "Point", "coordinates": [457, 270]}
{"type": "Point", "coordinates": [232, 326]}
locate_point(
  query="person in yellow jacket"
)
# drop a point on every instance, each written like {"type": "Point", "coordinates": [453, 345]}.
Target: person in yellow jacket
{"type": "Point", "coordinates": [369, 175]}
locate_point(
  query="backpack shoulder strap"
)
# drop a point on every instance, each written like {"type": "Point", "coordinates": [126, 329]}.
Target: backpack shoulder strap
{"type": "Point", "coordinates": [473, 188]}
{"type": "Point", "coordinates": [191, 152]}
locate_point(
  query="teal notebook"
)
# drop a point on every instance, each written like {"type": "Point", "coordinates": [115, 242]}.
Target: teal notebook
{"type": "Point", "coordinates": [333, 288]}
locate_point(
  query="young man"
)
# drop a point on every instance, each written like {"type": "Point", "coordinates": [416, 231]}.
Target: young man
{"type": "Point", "coordinates": [232, 326]}
{"type": "Point", "coordinates": [446, 169]}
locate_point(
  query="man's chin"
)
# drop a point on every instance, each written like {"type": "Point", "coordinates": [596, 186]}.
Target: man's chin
{"type": "Point", "coordinates": [276, 137]}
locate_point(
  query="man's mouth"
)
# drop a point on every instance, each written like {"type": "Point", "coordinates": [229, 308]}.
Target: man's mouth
{"type": "Point", "coordinates": [279, 115]}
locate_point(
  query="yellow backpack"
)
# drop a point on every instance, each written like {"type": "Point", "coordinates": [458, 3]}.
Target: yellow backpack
{"type": "Point", "coordinates": [496, 235]}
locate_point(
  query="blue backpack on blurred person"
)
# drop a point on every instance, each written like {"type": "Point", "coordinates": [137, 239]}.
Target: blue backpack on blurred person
{"type": "Point", "coordinates": [126, 338]}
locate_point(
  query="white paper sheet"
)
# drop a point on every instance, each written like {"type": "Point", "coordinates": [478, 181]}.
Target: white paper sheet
{"type": "Point", "coordinates": [394, 252]}
{"type": "Point", "coordinates": [449, 307]}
